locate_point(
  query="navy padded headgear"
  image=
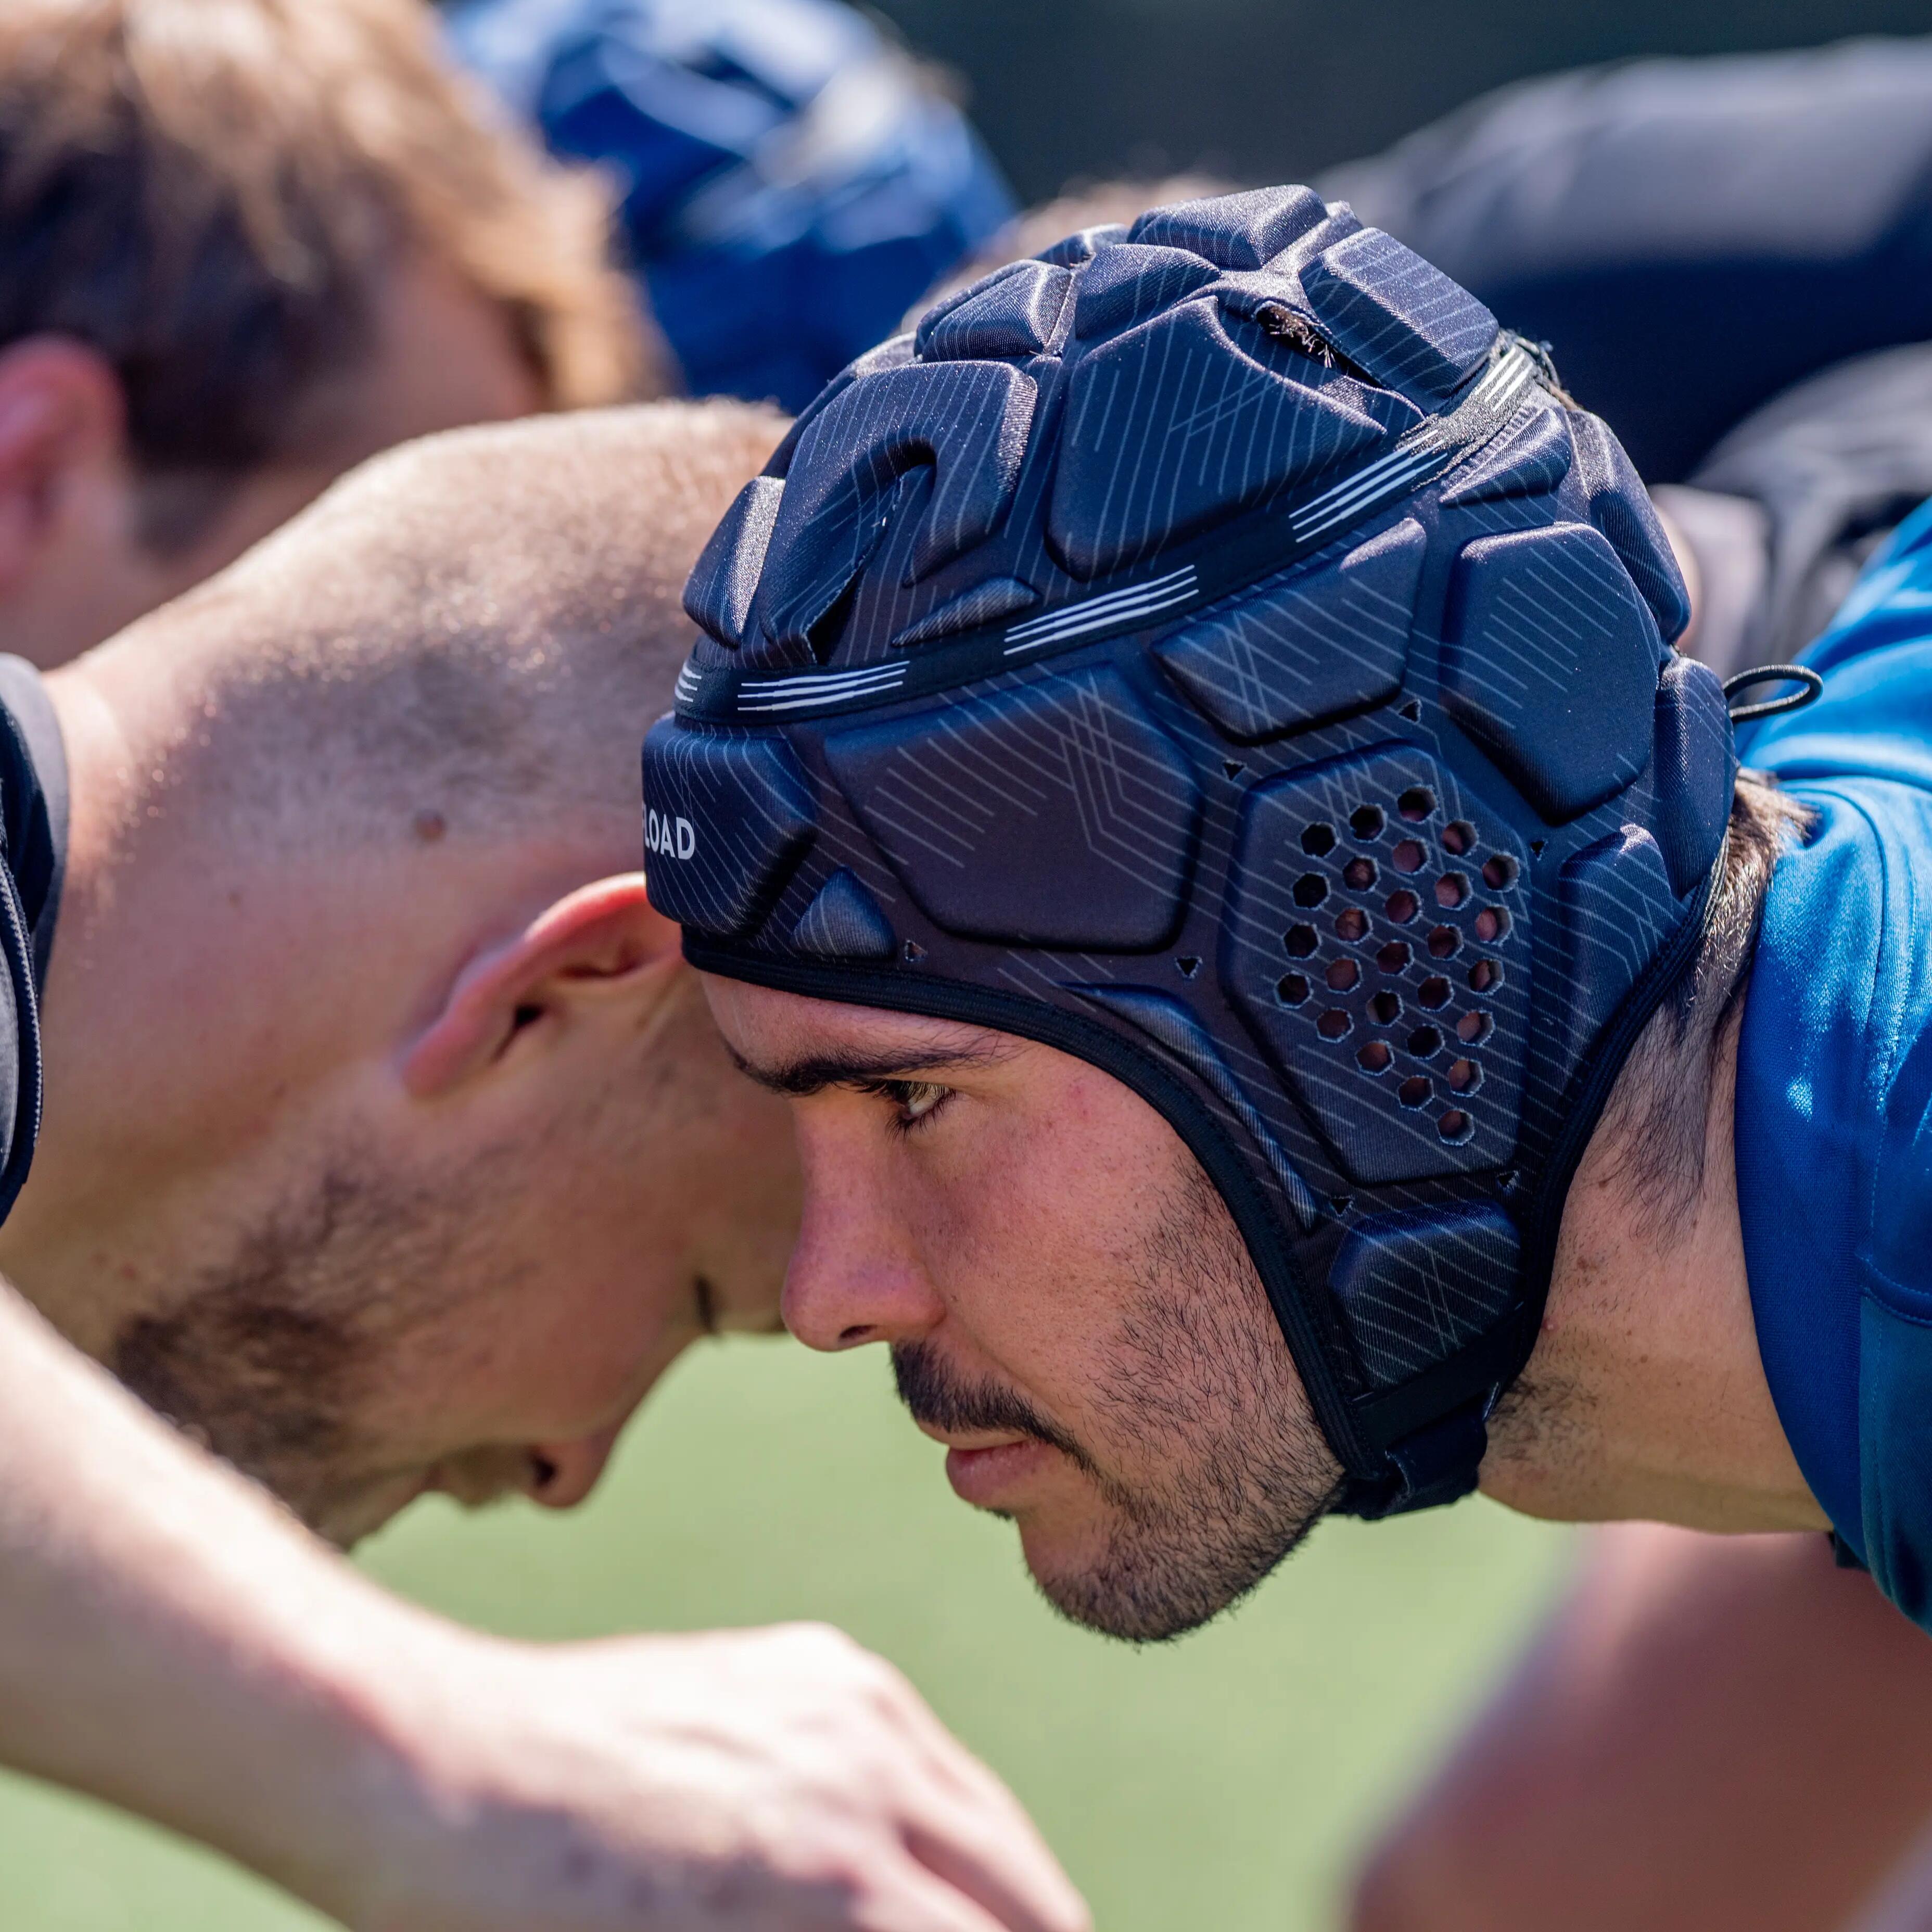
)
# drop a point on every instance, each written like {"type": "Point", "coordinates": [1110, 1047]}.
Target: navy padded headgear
{"type": "Point", "coordinates": [1215, 650]}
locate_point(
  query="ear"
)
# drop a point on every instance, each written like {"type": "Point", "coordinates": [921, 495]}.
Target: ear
{"type": "Point", "coordinates": [62, 412]}
{"type": "Point", "coordinates": [604, 945]}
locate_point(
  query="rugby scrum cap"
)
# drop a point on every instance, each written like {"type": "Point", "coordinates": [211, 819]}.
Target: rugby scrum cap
{"type": "Point", "coordinates": [1215, 649]}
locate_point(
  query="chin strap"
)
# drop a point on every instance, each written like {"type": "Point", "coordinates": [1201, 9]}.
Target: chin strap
{"type": "Point", "coordinates": [1434, 1466]}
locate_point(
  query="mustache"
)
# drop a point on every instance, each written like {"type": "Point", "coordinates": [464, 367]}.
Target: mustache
{"type": "Point", "coordinates": [937, 1396]}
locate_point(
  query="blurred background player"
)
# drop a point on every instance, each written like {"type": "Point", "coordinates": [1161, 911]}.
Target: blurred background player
{"type": "Point", "coordinates": [244, 244]}
{"type": "Point", "coordinates": [789, 180]}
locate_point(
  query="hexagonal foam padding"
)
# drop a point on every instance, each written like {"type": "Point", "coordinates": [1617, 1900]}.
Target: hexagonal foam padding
{"type": "Point", "coordinates": [966, 420]}
{"type": "Point", "coordinates": [844, 922]}
{"type": "Point", "coordinates": [1122, 284]}
{"type": "Point", "coordinates": [1235, 231]}
{"type": "Point", "coordinates": [1377, 944]}
{"type": "Point", "coordinates": [1397, 316]}
{"type": "Point", "coordinates": [1058, 814]}
{"type": "Point", "coordinates": [1533, 455]}
{"type": "Point", "coordinates": [1014, 314]}
{"type": "Point", "coordinates": [1136, 470]}
{"type": "Point", "coordinates": [1618, 908]}
{"type": "Point", "coordinates": [1317, 641]}
{"type": "Point", "coordinates": [1549, 661]}
{"type": "Point", "coordinates": [1696, 771]}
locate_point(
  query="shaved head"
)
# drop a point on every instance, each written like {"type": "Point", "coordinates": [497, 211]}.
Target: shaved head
{"type": "Point", "coordinates": [389, 1140]}
{"type": "Point", "coordinates": [474, 628]}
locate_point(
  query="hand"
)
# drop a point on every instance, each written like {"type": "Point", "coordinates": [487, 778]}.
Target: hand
{"type": "Point", "coordinates": [780, 1781]}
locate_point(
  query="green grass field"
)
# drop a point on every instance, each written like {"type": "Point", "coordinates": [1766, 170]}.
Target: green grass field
{"type": "Point", "coordinates": [1222, 1781]}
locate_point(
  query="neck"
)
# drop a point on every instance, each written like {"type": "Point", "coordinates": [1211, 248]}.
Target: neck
{"type": "Point", "coordinates": [1645, 1397]}
{"type": "Point", "coordinates": [113, 1033]}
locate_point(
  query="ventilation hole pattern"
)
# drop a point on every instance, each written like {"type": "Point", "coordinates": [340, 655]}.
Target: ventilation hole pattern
{"type": "Point", "coordinates": [1385, 998]}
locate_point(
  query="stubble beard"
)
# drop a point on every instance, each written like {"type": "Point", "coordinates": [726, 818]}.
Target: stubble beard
{"type": "Point", "coordinates": [1230, 1470]}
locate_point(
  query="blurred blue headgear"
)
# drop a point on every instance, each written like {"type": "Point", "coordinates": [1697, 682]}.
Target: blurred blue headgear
{"type": "Point", "coordinates": [791, 184]}
{"type": "Point", "coordinates": [1217, 651]}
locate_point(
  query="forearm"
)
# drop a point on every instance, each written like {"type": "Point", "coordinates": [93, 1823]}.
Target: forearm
{"type": "Point", "coordinates": [170, 1642]}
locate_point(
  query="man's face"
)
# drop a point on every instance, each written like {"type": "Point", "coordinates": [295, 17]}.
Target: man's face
{"type": "Point", "coordinates": [1069, 1306]}
{"type": "Point", "coordinates": [471, 1301]}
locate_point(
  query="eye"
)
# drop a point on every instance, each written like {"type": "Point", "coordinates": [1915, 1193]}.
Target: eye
{"type": "Point", "coordinates": [914, 1101]}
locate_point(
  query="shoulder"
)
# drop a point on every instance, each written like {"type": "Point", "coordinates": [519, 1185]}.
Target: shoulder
{"type": "Point", "coordinates": [1834, 1091]}
{"type": "Point", "coordinates": [1874, 718]}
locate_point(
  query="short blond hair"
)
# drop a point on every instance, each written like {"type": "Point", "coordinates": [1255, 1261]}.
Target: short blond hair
{"type": "Point", "coordinates": [211, 193]}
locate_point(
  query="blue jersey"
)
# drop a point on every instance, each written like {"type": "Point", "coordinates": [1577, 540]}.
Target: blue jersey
{"type": "Point", "coordinates": [1834, 1078]}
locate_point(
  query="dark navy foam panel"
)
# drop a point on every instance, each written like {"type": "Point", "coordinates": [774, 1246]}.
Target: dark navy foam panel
{"type": "Point", "coordinates": [935, 316]}
{"type": "Point", "coordinates": [895, 352]}
{"type": "Point", "coordinates": [1396, 316]}
{"type": "Point", "coordinates": [1137, 466]}
{"type": "Point", "coordinates": [1618, 906]}
{"type": "Point", "coordinates": [1084, 244]}
{"type": "Point", "coordinates": [988, 808]}
{"type": "Point", "coordinates": [998, 597]}
{"type": "Point", "coordinates": [1532, 456]}
{"type": "Point", "coordinates": [1696, 770]}
{"type": "Point", "coordinates": [1551, 663]}
{"type": "Point", "coordinates": [1014, 314]}
{"type": "Point", "coordinates": [734, 817]}
{"type": "Point", "coordinates": [1368, 950]}
{"type": "Point", "coordinates": [844, 922]}
{"type": "Point", "coordinates": [966, 420]}
{"type": "Point", "coordinates": [718, 594]}
{"type": "Point", "coordinates": [1620, 508]}
{"type": "Point", "coordinates": [1417, 1287]}
{"type": "Point", "coordinates": [1162, 1017]}
{"type": "Point", "coordinates": [1123, 284]}
{"type": "Point", "coordinates": [1233, 231]}
{"type": "Point", "coordinates": [1306, 646]}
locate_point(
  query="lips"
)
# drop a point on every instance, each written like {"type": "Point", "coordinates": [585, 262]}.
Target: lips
{"type": "Point", "coordinates": [990, 1477]}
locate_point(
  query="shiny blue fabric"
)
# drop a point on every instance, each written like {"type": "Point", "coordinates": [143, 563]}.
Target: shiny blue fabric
{"type": "Point", "coordinates": [1834, 1090]}
{"type": "Point", "coordinates": [790, 185]}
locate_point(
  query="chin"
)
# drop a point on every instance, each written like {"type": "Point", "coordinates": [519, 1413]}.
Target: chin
{"type": "Point", "coordinates": [1127, 1578]}
{"type": "Point", "coordinates": [1077, 1566]}
{"type": "Point", "coordinates": [346, 1520]}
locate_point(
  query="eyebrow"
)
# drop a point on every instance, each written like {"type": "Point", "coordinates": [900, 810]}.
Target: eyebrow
{"type": "Point", "coordinates": [800, 1079]}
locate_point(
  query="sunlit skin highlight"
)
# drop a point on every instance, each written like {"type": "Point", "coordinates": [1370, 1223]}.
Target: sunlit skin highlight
{"type": "Point", "coordinates": [1110, 1379]}
{"type": "Point", "coordinates": [1073, 1316]}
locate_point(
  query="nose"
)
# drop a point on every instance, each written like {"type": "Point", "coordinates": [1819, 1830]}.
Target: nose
{"type": "Point", "coordinates": [562, 1473]}
{"type": "Point", "coordinates": [856, 1276]}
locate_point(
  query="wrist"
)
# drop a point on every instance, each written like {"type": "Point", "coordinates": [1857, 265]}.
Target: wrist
{"type": "Point", "coordinates": [372, 1776]}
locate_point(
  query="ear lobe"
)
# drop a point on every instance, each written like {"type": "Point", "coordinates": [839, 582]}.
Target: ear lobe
{"type": "Point", "coordinates": [603, 944]}
{"type": "Point", "coordinates": [62, 410]}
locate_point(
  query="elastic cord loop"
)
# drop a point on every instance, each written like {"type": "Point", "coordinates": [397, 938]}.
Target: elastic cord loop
{"type": "Point", "coordinates": [1773, 707]}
